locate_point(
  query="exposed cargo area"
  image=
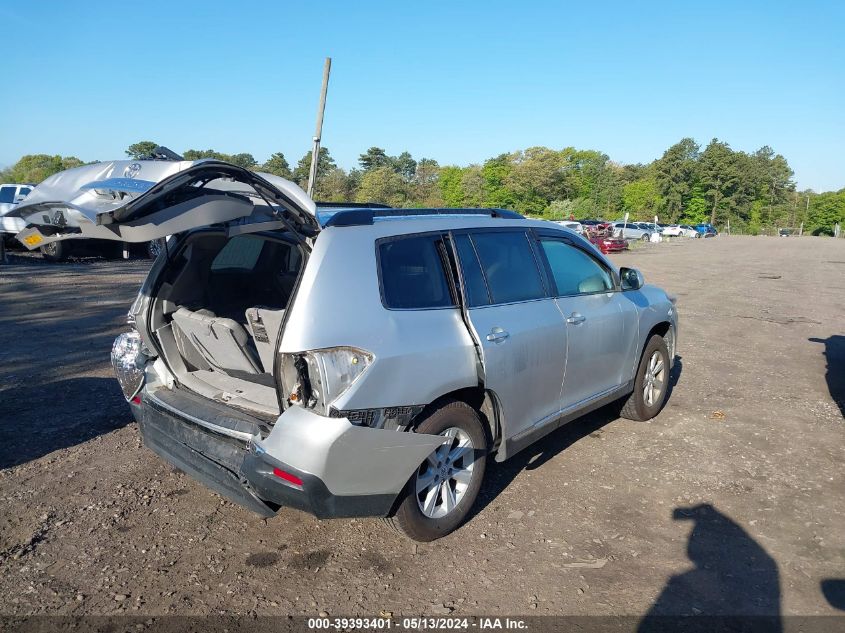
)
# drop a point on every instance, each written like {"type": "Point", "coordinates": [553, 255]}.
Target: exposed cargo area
{"type": "Point", "coordinates": [218, 311]}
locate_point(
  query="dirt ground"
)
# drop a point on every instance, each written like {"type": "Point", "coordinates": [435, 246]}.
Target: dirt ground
{"type": "Point", "coordinates": [729, 502]}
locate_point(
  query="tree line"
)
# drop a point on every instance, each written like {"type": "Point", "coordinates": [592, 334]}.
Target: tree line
{"type": "Point", "coordinates": [752, 192]}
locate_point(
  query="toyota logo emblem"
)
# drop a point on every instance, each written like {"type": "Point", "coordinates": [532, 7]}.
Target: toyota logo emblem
{"type": "Point", "coordinates": [132, 170]}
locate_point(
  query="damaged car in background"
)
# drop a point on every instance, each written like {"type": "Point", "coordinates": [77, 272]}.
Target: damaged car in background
{"type": "Point", "coordinates": [364, 364]}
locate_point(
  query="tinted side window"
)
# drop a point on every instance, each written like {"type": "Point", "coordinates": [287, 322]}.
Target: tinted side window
{"type": "Point", "coordinates": [240, 253]}
{"type": "Point", "coordinates": [24, 191]}
{"type": "Point", "coordinates": [474, 285]}
{"type": "Point", "coordinates": [412, 274]}
{"type": "Point", "coordinates": [509, 266]}
{"type": "Point", "coordinates": [573, 271]}
{"type": "Point", "coordinates": [7, 194]}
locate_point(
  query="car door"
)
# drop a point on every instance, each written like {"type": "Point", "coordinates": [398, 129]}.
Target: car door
{"type": "Point", "coordinates": [139, 201]}
{"type": "Point", "coordinates": [7, 198]}
{"type": "Point", "coordinates": [519, 329]}
{"type": "Point", "coordinates": [600, 323]}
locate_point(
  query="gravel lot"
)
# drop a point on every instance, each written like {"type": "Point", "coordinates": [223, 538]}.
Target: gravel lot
{"type": "Point", "coordinates": [729, 502]}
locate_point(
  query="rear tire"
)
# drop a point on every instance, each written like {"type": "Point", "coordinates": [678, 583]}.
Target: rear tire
{"type": "Point", "coordinates": [154, 247]}
{"type": "Point", "coordinates": [651, 383]}
{"type": "Point", "coordinates": [54, 252]}
{"type": "Point", "coordinates": [424, 513]}
{"type": "Point", "coordinates": [645, 237]}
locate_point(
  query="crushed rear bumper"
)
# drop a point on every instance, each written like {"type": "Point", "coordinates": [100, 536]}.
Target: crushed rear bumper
{"type": "Point", "coordinates": [243, 471]}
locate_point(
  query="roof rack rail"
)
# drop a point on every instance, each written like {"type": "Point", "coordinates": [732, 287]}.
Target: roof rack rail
{"type": "Point", "coordinates": [351, 205]}
{"type": "Point", "coordinates": [360, 217]}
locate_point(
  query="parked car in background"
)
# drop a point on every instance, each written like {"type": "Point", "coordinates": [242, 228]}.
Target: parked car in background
{"type": "Point", "coordinates": [240, 373]}
{"type": "Point", "coordinates": [706, 230]}
{"type": "Point", "coordinates": [680, 230]}
{"type": "Point", "coordinates": [12, 194]}
{"type": "Point", "coordinates": [631, 231]}
{"type": "Point", "coordinates": [609, 243]}
{"type": "Point", "coordinates": [572, 225]}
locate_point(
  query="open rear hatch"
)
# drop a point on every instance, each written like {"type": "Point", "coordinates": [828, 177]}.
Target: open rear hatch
{"type": "Point", "coordinates": [139, 201]}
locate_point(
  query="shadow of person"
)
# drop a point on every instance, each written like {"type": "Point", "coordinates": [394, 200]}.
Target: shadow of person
{"type": "Point", "coordinates": [834, 592]}
{"type": "Point", "coordinates": [734, 585]}
{"type": "Point", "coordinates": [834, 352]}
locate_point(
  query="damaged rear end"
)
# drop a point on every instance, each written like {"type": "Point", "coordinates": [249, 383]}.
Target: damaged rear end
{"type": "Point", "coordinates": [201, 365]}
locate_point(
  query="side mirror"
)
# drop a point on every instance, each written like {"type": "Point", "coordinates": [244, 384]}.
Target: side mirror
{"type": "Point", "coordinates": [18, 199]}
{"type": "Point", "coordinates": [632, 279]}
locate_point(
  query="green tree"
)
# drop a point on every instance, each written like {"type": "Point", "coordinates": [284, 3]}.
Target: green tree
{"type": "Point", "coordinates": [641, 199]}
{"type": "Point", "coordinates": [472, 186]}
{"type": "Point", "coordinates": [405, 166]}
{"type": "Point", "coordinates": [496, 172]}
{"type": "Point", "coordinates": [197, 154]}
{"type": "Point", "coordinates": [425, 188]}
{"type": "Point", "coordinates": [337, 186]}
{"type": "Point", "coordinates": [675, 176]}
{"type": "Point", "coordinates": [141, 149]}
{"type": "Point", "coordinates": [719, 177]}
{"type": "Point", "coordinates": [450, 186]}
{"type": "Point", "coordinates": [277, 165]}
{"type": "Point", "coordinates": [560, 210]}
{"type": "Point", "coordinates": [755, 217]}
{"type": "Point", "coordinates": [374, 158]}
{"type": "Point", "coordinates": [382, 185]}
{"type": "Point", "coordinates": [826, 210]}
{"type": "Point", "coordinates": [696, 210]}
{"type": "Point", "coordinates": [247, 161]}
{"type": "Point", "coordinates": [325, 163]}
{"type": "Point", "coordinates": [36, 167]}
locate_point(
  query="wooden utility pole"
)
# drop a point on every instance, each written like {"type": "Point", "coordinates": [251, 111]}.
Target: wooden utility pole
{"type": "Point", "coordinates": [315, 153]}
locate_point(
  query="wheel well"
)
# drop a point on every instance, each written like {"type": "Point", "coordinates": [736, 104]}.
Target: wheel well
{"type": "Point", "coordinates": [661, 328]}
{"type": "Point", "coordinates": [479, 399]}
{"type": "Point", "coordinates": [665, 330]}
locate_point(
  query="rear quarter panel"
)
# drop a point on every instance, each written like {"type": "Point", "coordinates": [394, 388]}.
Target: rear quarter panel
{"type": "Point", "coordinates": [419, 354]}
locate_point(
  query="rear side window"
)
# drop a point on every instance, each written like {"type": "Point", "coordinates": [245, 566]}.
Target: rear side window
{"type": "Point", "coordinates": [412, 273]}
{"type": "Point", "coordinates": [7, 194]}
{"type": "Point", "coordinates": [509, 266]}
{"type": "Point", "coordinates": [240, 253]}
{"type": "Point", "coordinates": [474, 286]}
{"type": "Point", "coordinates": [573, 271]}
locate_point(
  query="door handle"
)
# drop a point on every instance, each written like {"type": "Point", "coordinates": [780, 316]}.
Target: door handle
{"type": "Point", "coordinates": [576, 318]}
{"type": "Point", "coordinates": [497, 335]}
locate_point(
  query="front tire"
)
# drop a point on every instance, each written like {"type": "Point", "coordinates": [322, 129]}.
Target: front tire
{"type": "Point", "coordinates": [651, 383]}
{"type": "Point", "coordinates": [440, 493]}
{"type": "Point", "coordinates": [645, 237]}
{"type": "Point", "coordinates": [54, 252]}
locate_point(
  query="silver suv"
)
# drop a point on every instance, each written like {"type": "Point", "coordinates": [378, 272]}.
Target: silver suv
{"type": "Point", "coordinates": [363, 361]}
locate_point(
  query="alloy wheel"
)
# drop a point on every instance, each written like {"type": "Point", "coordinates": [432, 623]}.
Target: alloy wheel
{"type": "Point", "coordinates": [654, 379]}
{"type": "Point", "coordinates": [443, 478]}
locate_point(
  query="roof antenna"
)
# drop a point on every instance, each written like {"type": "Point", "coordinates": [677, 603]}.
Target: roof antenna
{"type": "Point", "coordinates": [315, 153]}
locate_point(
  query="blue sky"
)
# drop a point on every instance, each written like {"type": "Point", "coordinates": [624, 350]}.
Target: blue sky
{"type": "Point", "coordinates": [455, 82]}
